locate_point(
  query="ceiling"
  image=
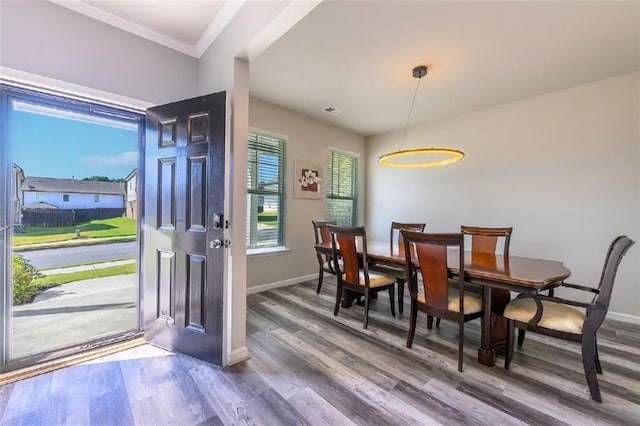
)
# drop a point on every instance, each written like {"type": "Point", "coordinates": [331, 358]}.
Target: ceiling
{"type": "Point", "coordinates": [357, 56]}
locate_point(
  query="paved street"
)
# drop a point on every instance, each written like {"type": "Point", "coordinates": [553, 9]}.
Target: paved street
{"type": "Point", "coordinates": [74, 313]}
{"type": "Point", "coordinates": [52, 258]}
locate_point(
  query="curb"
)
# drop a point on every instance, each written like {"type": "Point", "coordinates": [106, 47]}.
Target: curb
{"type": "Point", "coordinates": [71, 243]}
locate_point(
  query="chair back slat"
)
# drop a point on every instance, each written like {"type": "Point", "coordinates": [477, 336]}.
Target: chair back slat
{"type": "Point", "coordinates": [345, 241]}
{"type": "Point", "coordinates": [432, 261]}
{"type": "Point", "coordinates": [322, 235]}
{"type": "Point", "coordinates": [617, 249]}
{"type": "Point", "coordinates": [321, 231]}
{"type": "Point", "coordinates": [325, 235]}
{"type": "Point", "coordinates": [485, 240]}
{"type": "Point", "coordinates": [483, 244]}
{"type": "Point", "coordinates": [431, 254]}
{"type": "Point", "coordinates": [348, 250]}
{"type": "Point", "coordinates": [396, 227]}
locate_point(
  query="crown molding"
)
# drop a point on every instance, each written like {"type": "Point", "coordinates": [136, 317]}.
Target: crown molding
{"type": "Point", "coordinates": [293, 12]}
{"type": "Point", "coordinates": [115, 21]}
{"type": "Point", "coordinates": [219, 23]}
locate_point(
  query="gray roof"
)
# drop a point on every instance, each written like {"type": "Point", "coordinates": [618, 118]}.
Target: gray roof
{"type": "Point", "coordinates": [44, 184]}
{"type": "Point", "coordinates": [40, 205]}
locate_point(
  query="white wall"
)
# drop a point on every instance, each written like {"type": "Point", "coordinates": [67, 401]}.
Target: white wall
{"type": "Point", "coordinates": [48, 40]}
{"type": "Point", "coordinates": [216, 64]}
{"type": "Point", "coordinates": [561, 168]}
{"type": "Point", "coordinates": [132, 188]}
{"type": "Point", "coordinates": [307, 140]}
{"type": "Point", "coordinates": [76, 200]}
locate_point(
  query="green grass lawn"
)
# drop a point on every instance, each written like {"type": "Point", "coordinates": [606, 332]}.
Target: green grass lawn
{"type": "Point", "coordinates": [103, 228]}
{"type": "Point", "coordinates": [48, 281]}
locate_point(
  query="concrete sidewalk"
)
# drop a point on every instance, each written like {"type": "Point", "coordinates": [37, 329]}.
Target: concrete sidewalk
{"type": "Point", "coordinates": [86, 267]}
{"type": "Point", "coordinates": [74, 313]}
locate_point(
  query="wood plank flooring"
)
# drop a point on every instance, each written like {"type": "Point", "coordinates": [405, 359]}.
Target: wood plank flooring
{"type": "Point", "coordinates": [309, 367]}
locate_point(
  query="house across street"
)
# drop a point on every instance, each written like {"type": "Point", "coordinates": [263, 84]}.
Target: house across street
{"type": "Point", "coordinates": [72, 193]}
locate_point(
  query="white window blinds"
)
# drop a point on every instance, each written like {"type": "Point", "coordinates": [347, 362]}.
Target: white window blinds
{"type": "Point", "coordinates": [265, 191]}
{"type": "Point", "coordinates": [342, 188]}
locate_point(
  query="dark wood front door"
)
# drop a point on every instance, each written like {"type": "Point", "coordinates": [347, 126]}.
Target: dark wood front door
{"type": "Point", "coordinates": [183, 232]}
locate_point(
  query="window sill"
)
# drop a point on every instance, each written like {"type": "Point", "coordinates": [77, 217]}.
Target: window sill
{"type": "Point", "coordinates": [268, 251]}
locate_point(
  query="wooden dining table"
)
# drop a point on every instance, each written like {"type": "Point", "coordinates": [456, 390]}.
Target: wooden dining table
{"type": "Point", "coordinates": [497, 274]}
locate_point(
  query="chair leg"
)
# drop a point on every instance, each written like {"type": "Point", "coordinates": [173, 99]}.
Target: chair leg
{"type": "Point", "coordinates": [366, 307]}
{"type": "Point", "coordinates": [392, 300]}
{"type": "Point", "coordinates": [460, 344]}
{"type": "Point", "coordinates": [589, 363]}
{"type": "Point", "coordinates": [510, 338]}
{"type": "Point", "coordinates": [413, 315]}
{"type": "Point", "coordinates": [338, 298]}
{"type": "Point", "coordinates": [400, 283]}
{"type": "Point", "coordinates": [437, 322]}
{"type": "Point", "coordinates": [320, 276]}
{"type": "Point", "coordinates": [429, 322]}
{"type": "Point", "coordinates": [598, 366]}
{"type": "Point", "coordinates": [521, 334]}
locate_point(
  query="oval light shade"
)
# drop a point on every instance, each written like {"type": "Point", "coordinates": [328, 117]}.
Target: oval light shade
{"type": "Point", "coordinates": [421, 157]}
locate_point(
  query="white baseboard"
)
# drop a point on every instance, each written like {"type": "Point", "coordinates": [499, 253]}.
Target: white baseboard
{"type": "Point", "coordinates": [623, 317]}
{"type": "Point", "coordinates": [278, 284]}
{"type": "Point", "coordinates": [238, 355]}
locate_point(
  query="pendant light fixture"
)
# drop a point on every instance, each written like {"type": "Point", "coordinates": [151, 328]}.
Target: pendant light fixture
{"type": "Point", "coordinates": [419, 157]}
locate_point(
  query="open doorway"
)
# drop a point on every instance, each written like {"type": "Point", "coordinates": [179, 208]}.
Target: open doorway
{"type": "Point", "coordinates": [71, 225]}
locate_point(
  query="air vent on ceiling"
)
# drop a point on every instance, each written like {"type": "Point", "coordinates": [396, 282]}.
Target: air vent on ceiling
{"type": "Point", "coordinates": [332, 110]}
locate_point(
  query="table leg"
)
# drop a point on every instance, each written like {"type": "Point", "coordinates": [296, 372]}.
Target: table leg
{"type": "Point", "coordinates": [348, 297]}
{"type": "Point", "coordinates": [494, 326]}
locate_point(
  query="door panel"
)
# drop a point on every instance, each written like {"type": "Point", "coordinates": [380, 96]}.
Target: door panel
{"type": "Point", "coordinates": [183, 275]}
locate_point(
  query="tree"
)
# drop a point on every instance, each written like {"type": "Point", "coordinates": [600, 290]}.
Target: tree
{"type": "Point", "coordinates": [102, 179]}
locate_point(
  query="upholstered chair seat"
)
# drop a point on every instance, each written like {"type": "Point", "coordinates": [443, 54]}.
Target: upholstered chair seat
{"type": "Point", "coordinates": [375, 279]}
{"type": "Point", "coordinates": [472, 301]}
{"type": "Point", "coordinates": [555, 316]}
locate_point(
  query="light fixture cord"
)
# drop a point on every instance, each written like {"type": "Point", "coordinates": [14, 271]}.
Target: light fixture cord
{"type": "Point", "coordinates": [406, 126]}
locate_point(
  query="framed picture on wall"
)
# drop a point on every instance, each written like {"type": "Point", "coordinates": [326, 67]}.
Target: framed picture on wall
{"type": "Point", "coordinates": [308, 177]}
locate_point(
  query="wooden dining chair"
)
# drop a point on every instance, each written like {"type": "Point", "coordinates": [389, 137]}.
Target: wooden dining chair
{"type": "Point", "coordinates": [322, 235]}
{"type": "Point", "coordinates": [440, 296]}
{"type": "Point", "coordinates": [557, 317]}
{"type": "Point", "coordinates": [352, 270]}
{"type": "Point", "coordinates": [396, 244]}
{"type": "Point", "coordinates": [485, 240]}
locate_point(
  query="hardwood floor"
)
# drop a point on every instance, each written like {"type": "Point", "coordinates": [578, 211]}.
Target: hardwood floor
{"type": "Point", "coordinates": [309, 367]}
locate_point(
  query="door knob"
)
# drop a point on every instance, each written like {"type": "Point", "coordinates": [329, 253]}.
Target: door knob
{"type": "Point", "coordinates": [215, 243]}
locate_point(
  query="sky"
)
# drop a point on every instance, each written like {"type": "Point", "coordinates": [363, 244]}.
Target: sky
{"type": "Point", "coordinates": [53, 143]}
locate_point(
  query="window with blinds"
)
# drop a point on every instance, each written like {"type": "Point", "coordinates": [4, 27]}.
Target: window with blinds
{"type": "Point", "coordinates": [342, 188]}
{"type": "Point", "coordinates": [265, 191]}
